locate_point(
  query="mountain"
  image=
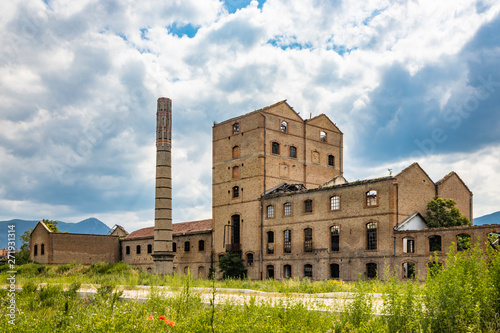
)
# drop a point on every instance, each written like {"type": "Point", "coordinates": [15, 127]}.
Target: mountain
{"type": "Point", "coordinates": [88, 226]}
{"type": "Point", "coordinates": [493, 218]}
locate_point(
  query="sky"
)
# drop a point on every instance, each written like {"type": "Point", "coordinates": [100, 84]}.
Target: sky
{"type": "Point", "coordinates": [405, 81]}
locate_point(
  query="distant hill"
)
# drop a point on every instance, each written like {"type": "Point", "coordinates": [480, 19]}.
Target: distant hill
{"type": "Point", "coordinates": [493, 218]}
{"type": "Point", "coordinates": [88, 226]}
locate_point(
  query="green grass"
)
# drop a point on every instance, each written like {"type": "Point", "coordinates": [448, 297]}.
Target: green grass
{"type": "Point", "coordinates": [463, 297]}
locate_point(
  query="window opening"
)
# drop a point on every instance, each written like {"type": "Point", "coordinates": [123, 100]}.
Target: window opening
{"type": "Point", "coordinates": [408, 245]}
{"type": "Point", "coordinates": [371, 236]}
{"type": "Point", "coordinates": [334, 238]}
{"type": "Point", "coordinates": [371, 270]}
{"type": "Point", "coordinates": [275, 148]}
{"type": "Point", "coordinates": [371, 198]}
{"type": "Point", "coordinates": [293, 152]}
{"type": "Point", "coordinates": [236, 151]}
{"type": "Point", "coordinates": [150, 248]}
{"type": "Point", "coordinates": [270, 211]}
{"type": "Point", "coordinates": [187, 246]}
{"type": "Point", "coordinates": [334, 271]}
{"type": "Point", "coordinates": [270, 242]}
{"type": "Point", "coordinates": [322, 136]}
{"type": "Point", "coordinates": [308, 240]}
{"type": "Point", "coordinates": [174, 247]}
{"type": "Point", "coordinates": [287, 271]}
{"type": "Point", "coordinates": [127, 250]}
{"type": "Point", "coordinates": [408, 270]}
{"type": "Point", "coordinates": [249, 259]}
{"type": "Point", "coordinates": [270, 271]}
{"type": "Point", "coordinates": [42, 250]}
{"type": "Point", "coordinates": [308, 271]}
{"type": "Point", "coordinates": [35, 250]}
{"type": "Point", "coordinates": [201, 245]}
{"type": "Point", "coordinates": [236, 172]}
{"type": "Point", "coordinates": [335, 202]}
{"type": "Point", "coordinates": [463, 242]}
{"type": "Point", "coordinates": [138, 249]}
{"type": "Point", "coordinates": [284, 126]}
{"type": "Point", "coordinates": [236, 128]}
{"type": "Point", "coordinates": [331, 160]}
{"type": "Point", "coordinates": [287, 241]}
{"type": "Point", "coordinates": [434, 243]}
{"type": "Point", "coordinates": [236, 191]}
{"type": "Point", "coordinates": [235, 230]}
{"type": "Point", "coordinates": [308, 206]}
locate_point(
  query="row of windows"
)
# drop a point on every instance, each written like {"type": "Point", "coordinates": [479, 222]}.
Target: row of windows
{"type": "Point", "coordinates": [187, 246]}
{"type": "Point", "coordinates": [275, 149]}
{"type": "Point", "coordinates": [138, 249]}
{"type": "Point", "coordinates": [42, 249]}
{"type": "Point", "coordinates": [370, 197]}
{"type": "Point", "coordinates": [283, 129]}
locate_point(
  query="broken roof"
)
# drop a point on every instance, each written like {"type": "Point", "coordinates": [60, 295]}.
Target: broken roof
{"type": "Point", "coordinates": [182, 228]}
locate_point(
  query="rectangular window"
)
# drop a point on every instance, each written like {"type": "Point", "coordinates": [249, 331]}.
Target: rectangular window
{"type": "Point", "coordinates": [335, 202]}
{"type": "Point", "coordinates": [270, 242]}
{"type": "Point", "coordinates": [322, 136]}
{"type": "Point", "coordinates": [331, 160]}
{"type": "Point", "coordinates": [371, 198]}
{"type": "Point", "coordinates": [275, 148]}
{"type": "Point", "coordinates": [308, 271]}
{"type": "Point", "coordinates": [287, 271]}
{"type": "Point", "coordinates": [334, 238]}
{"type": "Point", "coordinates": [308, 206]}
{"type": "Point", "coordinates": [236, 128]}
{"type": "Point", "coordinates": [270, 211]}
{"type": "Point", "coordinates": [293, 152]}
{"type": "Point", "coordinates": [287, 241]}
{"type": "Point", "coordinates": [371, 236]}
{"type": "Point", "coordinates": [408, 245]}
{"type": "Point", "coordinates": [287, 209]}
{"type": "Point", "coordinates": [308, 240]}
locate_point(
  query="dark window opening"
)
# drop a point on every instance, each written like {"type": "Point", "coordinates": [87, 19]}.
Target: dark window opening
{"type": "Point", "coordinates": [235, 230]}
{"type": "Point", "coordinates": [236, 191]}
{"type": "Point", "coordinates": [249, 259]}
{"type": "Point", "coordinates": [275, 148]}
{"type": "Point", "coordinates": [463, 242]}
{"type": "Point", "coordinates": [371, 198]}
{"type": "Point", "coordinates": [201, 245]}
{"type": "Point", "coordinates": [434, 243]}
{"type": "Point", "coordinates": [287, 271]}
{"type": "Point", "coordinates": [287, 241]}
{"type": "Point", "coordinates": [308, 206]}
{"type": "Point", "coordinates": [174, 247]}
{"type": "Point", "coordinates": [408, 245]}
{"type": "Point", "coordinates": [270, 271]}
{"type": "Point", "coordinates": [334, 238]}
{"type": "Point", "coordinates": [138, 249]}
{"type": "Point", "coordinates": [270, 242]}
{"type": "Point", "coordinates": [127, 250]}
{"type": "Point", "coordinates": [42, 250]}
{"type": "Point", "coordinates": [150, 248]}
{"type": "Point", "coordinates": [434, 268]}
{"type": "Point", "coordinates": [371, 236]}
{"type": "Point", "coordinates": [331, 160]}
{"type": "Point", "coordinates": [322, 136]}
{"type": "Point", "coordinates": [187, 246]}
{"type": "Point", "coordinates": [308, 240]}
{"type": "Point", "coordinates": [371, 270]}
{"type": "Point", "coordinates": [334, 271]}
{"type": "Point", "coordinates": [293, 152]}
{"type": "Point", "coordinates": [35, 250]}
{"type": "Point", "coordinates": [308, 271]}
{"type": "Point", "coordinates": [408, 270]}
{"type": "Point", "coordinates": [236, 128]}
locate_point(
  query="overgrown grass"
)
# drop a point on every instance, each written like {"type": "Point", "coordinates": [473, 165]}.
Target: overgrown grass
{"type": "Point", "coordinates": [463, 297]}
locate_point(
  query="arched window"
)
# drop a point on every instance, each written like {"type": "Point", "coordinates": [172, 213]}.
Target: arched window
{"type": "Point", "coordinates": [150, 248]}
{"type": "Point", "coordinates": [371, 198]}
{"type": "Point", "coordinates": [275, 148]}
{"type": "Point", "coordinates": [236, 128]}
{"type": "Point", "coordinates": [236, 151]}
{"type": "Point", "coordinates": [249, 259]}
{"type": "Point", "coordinates": [35, 250]}
{"type": "Point", "coordinates": [408, 270]}
{"type": "Point", "coordinates": [284, 126]}
{"type": "Point", "coordinates": [331, 160]}
{"type": "Point", "coordinates": [201, 245]}
{"type": "Point", "coordinates": [463, 242]}
{"type": "Point", "coordinates": [434, 267]}
{"type": "Point", "coordinates": [236, 171]}
{"type": "Point", "coordinates": [42, 250]}
{"type": "Point", "coordinates": [434, 243]}
{"type": "Point", "coordinates": [287, 271]}
{"type": "Point", "coordinates": [187, 246]}
{"type": "Point", "coordinates": [270, 242]}
{"type": "Point", "coordinates": [287, 241]}
{"type": "Point", "coordinates": [334, 202]}
{"type": "Point", "coordinates": [293, 152]}
{"type": "Point", "coordinates": [138, 249]}
{"type": "Point", "coordinates": [308, 240]}
{"type": "Point", "coordinates": [334, 238]}
{"type": "Point", "coordinates": [308, 206]}
{"type": "Point", "coordinates": [371, 270]}
{"type": "Point", "coordinates": [236, 191]}
{"type": "Point", "coordinates": [270, 271]}
{"type": "Point", "coordinates": [408, 245]}
{"type": "Point", "coordinates": [334, 271]}
{"type": "Point", "coordinates": [127, 250]}
{"type": "Point", "coordinates": [270, 211]}
{"type": "Point", "coordinates": [322, 136]}
{"type": "Point", "coordinates": [174, 247]}
{"type": "Point", "coordinates": [371, 236]}
{"type": "Point", "coordinates": [287, 209]}
{"type": "Point", "coordinates": [308, 270]}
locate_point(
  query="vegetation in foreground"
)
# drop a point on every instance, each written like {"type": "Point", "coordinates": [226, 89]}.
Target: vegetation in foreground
{"type": "Point", "coordinates": [463, 297]}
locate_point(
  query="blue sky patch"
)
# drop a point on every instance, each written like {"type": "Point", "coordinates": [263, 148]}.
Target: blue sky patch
{"type": "Point", "coordinates": [342, 49]}
{"type": "Point", "coordinates": [288, 45]}
{"type": "Point", "coordinates": [183, 30]}
{"type": "Point", "coordinates": [233, 5]}
{"type": "Point", "coordinates": [374, 14]}
{"type": "Point", "coordinates": [144, 31]}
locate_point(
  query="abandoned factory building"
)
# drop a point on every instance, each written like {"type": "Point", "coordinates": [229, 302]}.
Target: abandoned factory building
{"type": "Point", "coordinates": [279, 197]}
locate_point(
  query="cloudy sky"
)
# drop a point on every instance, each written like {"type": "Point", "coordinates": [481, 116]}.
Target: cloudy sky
{"type": "Point", "coordinates": [404, 80]}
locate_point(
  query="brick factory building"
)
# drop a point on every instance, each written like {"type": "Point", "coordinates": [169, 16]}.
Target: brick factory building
{"type": "Point", "coordinates": [279, 197]}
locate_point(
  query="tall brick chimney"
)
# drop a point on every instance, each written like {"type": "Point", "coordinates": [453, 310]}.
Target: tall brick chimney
{"type": "Point", "coordinates": [162, 255]}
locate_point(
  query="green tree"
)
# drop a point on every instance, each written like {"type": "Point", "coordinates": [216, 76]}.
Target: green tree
{"type": "Point", "coordinates": [23, 256]}
{"type": "Point", "coordinates": [232, 266]}
{"type": "Point", "coordinates": [52, 225]}
{"type": "Point", "coordinates": [443, 213]}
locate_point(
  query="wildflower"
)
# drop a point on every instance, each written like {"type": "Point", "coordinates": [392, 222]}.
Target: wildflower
{"type": "Point", "coordinates": [169, 323]}
{"type": "Point", "coordinates": [162, 318]}
{"type": "Point", "coordinates": [150, 318]}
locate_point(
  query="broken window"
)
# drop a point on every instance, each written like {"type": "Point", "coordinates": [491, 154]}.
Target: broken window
{"type": "Point", "coordinates": [201, 245]}
{"type": "Point", "coordinates": [371, 198]}
{"type": "Point", "coordinates": [308, 271]}
{"type": "Point", "coordinates": [236, 191]}
{"type": "Point", "coordinates": [308, 240]}
{"type": "Point", "coordinates": [331, 160]}
{"type": "Point", "coordinates": [287, 241]}
{"type": "Point", "coordinates": [463, 242]}
{"type": "Point", "coordinates": [287, 271]}
{"type": "Point", "coordinates": [334, 238]}
{"type": "Point", "coordinates": [150, 248]}
{"type": "Point", "coordinates": [138, 249]}
{"type": "Point", "coordinates": [236, 172]}
{"type": "Point", "coordinates": [249, 259]}
{"type": "Point", "coordinates": [284, 126]}
{"type": "Point", "coordinates": [371, 270]}
{"type": "Point", "coordinates": [293, 152]}
{"type": "Point", "coordinates": [275, 148]}
{"type": "Point", "coordinates": [308, 206]}
{"type": "Point", "coordinates": [236, 128]}
{"type": "Point", "coordinates": [334, 271]}
{"type": "Point", "coordinates": [127, 250]}
{"type": "Point", "coordinates": [270, 211]}
{"type": "Point", "coordinates": [187, 246]}
{"type": "Point", "coordinates": [236, 151]}
{"type": "Point", "coordinates": [494, 239]}
{"type": "Point", "coordinates": [408, 245]}
{"type": "Point", "coordinates": [270, 271]}
{"type": "Point", "coordinates": [408, 270]}
{"type": "Point", "coordinates": [371, 236]}
{"type": "Point", "coordinates": [270, 242]}
{"type": "Point", "coordinates": [434, 267]}
{"type": "Point", "coordinates": [287, 209]}
{"type": "Point", "coordinates": [335, 202]}
{"type": "Point", "coordinates": [322, 136]}
{"type": "Point", "coordinates": [434, 243]}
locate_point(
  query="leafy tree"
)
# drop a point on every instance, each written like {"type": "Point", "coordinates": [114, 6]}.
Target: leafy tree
{"type": "Point", "coordinates": [443, 213]}
{"type": "Point", "coordinates": [232, 266]}
{"type": "Point", "coordinates": [23, 256]}
{"type": "Point", "coordinates": [52, 225]}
